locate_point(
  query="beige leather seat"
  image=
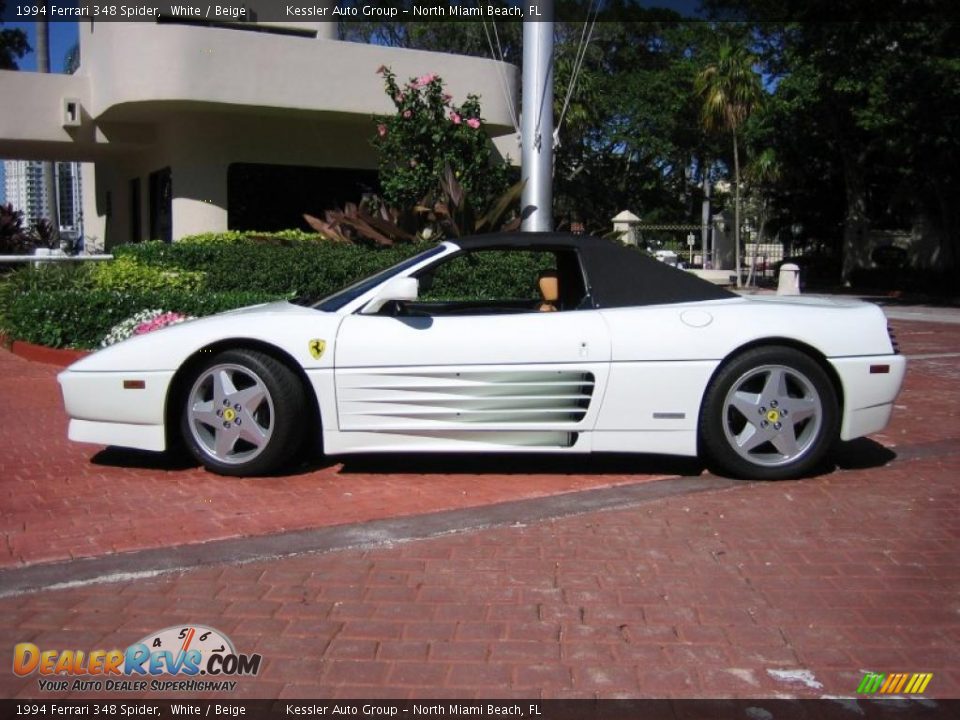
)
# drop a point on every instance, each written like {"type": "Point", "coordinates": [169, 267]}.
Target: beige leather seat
{"type": "Point", "coordinates": [549, 285]}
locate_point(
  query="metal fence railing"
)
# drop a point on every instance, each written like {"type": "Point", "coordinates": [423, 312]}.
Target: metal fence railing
{"type": "Point", "coordinates": [52, 258]}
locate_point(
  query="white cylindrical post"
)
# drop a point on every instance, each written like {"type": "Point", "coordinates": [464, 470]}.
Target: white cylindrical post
{"type": "Point", "coordinates": [625, 226]}
{"type": "Point", "coordinates": [536, 124]}
{"type": "Point", "coordinates": [789, 281]}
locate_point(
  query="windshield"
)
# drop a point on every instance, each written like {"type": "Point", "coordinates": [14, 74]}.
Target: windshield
{"type": "Point", "coordinates": [340, 298]}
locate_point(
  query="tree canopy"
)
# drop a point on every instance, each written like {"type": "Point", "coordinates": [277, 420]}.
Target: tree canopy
{"type": "Point", "coordinates": [859, 129]}
{"type": "Point", "coordinates": [13, 44]}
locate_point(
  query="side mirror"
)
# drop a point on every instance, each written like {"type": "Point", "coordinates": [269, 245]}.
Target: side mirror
{"type": "Point", "coordinates": [399, 289]}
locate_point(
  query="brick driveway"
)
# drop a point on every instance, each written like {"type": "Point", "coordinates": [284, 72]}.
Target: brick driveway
{"type": "Point", "coordinates": [746, 590]}
{"type": "Point", "coordinates": [62, 500]}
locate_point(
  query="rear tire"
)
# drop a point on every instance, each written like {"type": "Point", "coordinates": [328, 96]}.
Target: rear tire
{"type": "Point", "coordinates": [244, 414]}
{"type": "Point", "coordinates": [770, 413]}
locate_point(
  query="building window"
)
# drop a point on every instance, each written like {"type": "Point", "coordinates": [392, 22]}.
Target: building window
{"type": "Point", "coordinates": [161, 205]}
{"type": "Point", "coordinates": [136, 227]}
{"type": "Point", "coordinates": [275, 197]}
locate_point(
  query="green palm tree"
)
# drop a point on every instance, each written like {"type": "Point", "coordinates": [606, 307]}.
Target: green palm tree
{"type": "Point", "coordinates": [763, 171]}
{"type": "Point", "coordinates": [730, 90]}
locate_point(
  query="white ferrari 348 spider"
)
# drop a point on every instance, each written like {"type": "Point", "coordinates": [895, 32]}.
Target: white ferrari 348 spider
{"type": "Point", "coordinates": [592, 347]}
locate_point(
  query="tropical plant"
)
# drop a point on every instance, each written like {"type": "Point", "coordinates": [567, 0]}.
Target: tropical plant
{"type": "Point", "coordinates": [429, 133]}
{"type": "Point", "coordinates": [730, 90]}
{"type": "Point", "coordinates": [448, 212]}
{"type": "Point", "coordinates": [370, 220]}
{"type": "Point", "coordinates": [44, 235]}
{"type": "Point", "coordinates": [14, 239]}
{"type": "Point", "coordinates": [455, 214]}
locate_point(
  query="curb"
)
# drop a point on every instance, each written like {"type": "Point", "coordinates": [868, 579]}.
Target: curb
{"type": "Point", "coordinates": [124, 566]}
{"type": "Point", "coordinates": [61, 357]}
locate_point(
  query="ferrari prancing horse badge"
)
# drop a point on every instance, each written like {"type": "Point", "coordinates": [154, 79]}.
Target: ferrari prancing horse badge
{"type": "Point", "coordinates": [317, 346]}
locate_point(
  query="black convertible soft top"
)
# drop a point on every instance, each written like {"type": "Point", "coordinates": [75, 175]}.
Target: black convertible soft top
{"type": "Point", "coordinates": [617, 276]}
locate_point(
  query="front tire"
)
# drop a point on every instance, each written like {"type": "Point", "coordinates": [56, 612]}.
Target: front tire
{"type": "Point", "coordinates": [244, 414]}
{"type": "Point", "coordinates": [770, 413]}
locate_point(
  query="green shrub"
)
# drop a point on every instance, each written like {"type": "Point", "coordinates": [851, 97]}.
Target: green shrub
{"type": "Point", "coordinates": [489, 275]}
{"type": "Point", "coordinates": [427, 134]}
{"type": "Point", "coordinates": [81, 318]}
{"type": "Point", "coordinates": [76, 305]}
{"type": "Point", "coordinates": [182, 256]}
{"type": "Point", "coordinates": [300, 268]}
{"type": "Point", "coordinates": [287, 236]}
{"type": "Point", "coordinates": [127, 274]}
{"type": "Point", "coordinates": [51, 276]}
{"type": "Point", "coordinates": [235, 237]}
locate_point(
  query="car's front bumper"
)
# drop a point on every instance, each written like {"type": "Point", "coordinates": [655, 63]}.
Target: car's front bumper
{"type": "Point", "coordinates": [142, 437]}
{"type": "Point", "coordinates": [126, 409]}
{"type": "Point", "coordinates": [870, 387]}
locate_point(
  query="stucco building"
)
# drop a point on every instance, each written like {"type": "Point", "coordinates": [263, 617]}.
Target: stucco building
{"type": "Point", "coordinates": [188, 127]}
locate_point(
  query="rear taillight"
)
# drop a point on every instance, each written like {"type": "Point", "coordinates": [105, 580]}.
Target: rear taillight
{"type": "Point", "coordinates": [893, 340]}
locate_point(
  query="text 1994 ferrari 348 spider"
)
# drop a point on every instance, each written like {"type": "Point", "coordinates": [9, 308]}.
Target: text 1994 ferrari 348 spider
{"type": "Point", "coordinates": [448, 351]}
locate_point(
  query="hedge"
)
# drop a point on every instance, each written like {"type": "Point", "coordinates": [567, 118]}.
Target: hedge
{"type": "Point", "coordinates": [81, 318]}
{"type": "Point", "coordinates": [301, 268]}
{"type": "Point", "coordinates": [318, 269]}
{"type": "Point", "coordinates": [76, 305]}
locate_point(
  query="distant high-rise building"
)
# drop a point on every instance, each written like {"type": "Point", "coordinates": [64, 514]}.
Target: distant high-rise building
{"type": "Point", "coordinates": [24, 189]}
{"type": "Point", "coordinates": [70, 196]}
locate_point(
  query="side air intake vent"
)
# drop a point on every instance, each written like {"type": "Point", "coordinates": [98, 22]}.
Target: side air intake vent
{"type": "Point", "coordinates": [462, 398]}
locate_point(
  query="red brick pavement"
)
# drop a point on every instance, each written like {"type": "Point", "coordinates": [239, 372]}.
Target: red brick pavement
{"type": "Point", "coordinates": [791, 588]}
{"type": "Point", "coordinates": [779, 589]}
{"type": "Point", "coordinates": [62, 500]}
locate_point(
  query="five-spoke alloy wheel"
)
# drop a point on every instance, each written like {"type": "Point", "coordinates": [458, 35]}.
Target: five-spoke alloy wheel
{"type": "Point", "coordinates": [770, 413]}
{"type": "Point", "coordinates": [244, 414]}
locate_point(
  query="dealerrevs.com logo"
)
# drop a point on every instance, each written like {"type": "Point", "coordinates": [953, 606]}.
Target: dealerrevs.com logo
{"type": "Point", "coordinates": [184, 652]}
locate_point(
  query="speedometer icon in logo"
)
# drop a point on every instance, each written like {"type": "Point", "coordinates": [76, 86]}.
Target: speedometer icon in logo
{"type": "Point", "coordinates": [189, 650]}
{"type": "Point", "coordinates": [199, 642]}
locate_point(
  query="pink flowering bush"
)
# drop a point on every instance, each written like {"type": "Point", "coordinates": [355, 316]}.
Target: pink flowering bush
{"type": "Point", "coordinates": [428, 133]}
{"type": "Point", "coordinates": [143, 322]}
{"type": "Point", "coordinates": [161, 321]}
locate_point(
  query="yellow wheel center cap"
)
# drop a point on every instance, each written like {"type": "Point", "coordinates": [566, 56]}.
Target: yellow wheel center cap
{"type": "Point", "coordinates": [229, 414]}
{"type": "Point", "coordinates": [773, 416]}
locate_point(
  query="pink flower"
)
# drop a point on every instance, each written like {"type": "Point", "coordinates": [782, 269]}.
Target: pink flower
{"type": "Point", "coordinates": [423, 81]}
{"type": "Point", "coordinates": [474, 123]}
{"type": "Point", "coordinates": [170, 318]}
{"type": "Point", "coordinates": [381, 130]}
{"type": "Point", "coordinates": [455, 118]}
{"type": "Point", "coordinates": [447, 97]}
{"type": "Point", "coordinates": [398, 97]}
{"type": "Point", "coordinates": [407, 114]}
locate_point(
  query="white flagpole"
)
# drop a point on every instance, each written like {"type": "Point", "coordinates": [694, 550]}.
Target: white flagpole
{"type": "Point", "coordinates": [536, 125]}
